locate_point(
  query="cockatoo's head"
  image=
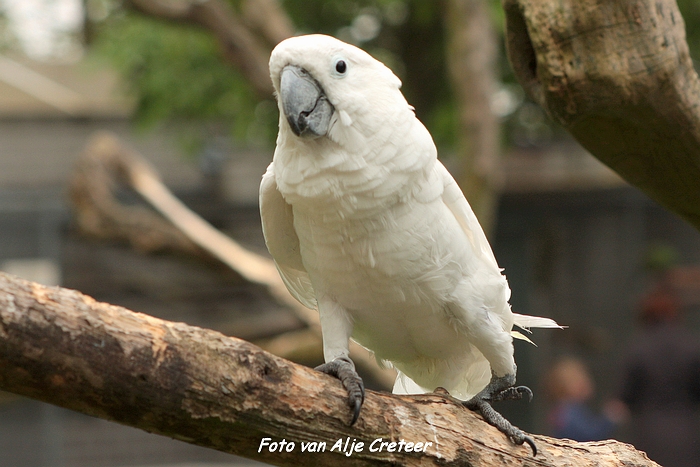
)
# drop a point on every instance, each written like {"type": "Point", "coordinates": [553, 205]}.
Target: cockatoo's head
{"type": "Point", "coordinates": [327, 88]}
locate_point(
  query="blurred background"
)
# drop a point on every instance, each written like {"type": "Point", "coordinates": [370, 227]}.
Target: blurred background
{"type": "Point", "coordinates": [577, 243]}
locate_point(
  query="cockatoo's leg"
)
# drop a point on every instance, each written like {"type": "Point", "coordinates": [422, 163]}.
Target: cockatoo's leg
{"type": "Point", "coordinates": [336, 327]}
{"type": "Point", "coordinates": [344, 369]}
{"type": "Point", "coordinates": [499, 389]}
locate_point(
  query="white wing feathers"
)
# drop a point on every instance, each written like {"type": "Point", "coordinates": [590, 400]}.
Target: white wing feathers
{"type": "Point", "coordinates": [457, 203]}
{"type": "Point", "coordinates": [282, 241]}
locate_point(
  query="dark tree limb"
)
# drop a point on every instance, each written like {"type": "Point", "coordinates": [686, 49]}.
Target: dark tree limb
{"type": "Point", "coordinates": [239, 45]}
{"type": "Point", "coordinates": [619, 77]}
{"type": "Point", "coordinates": [199, 386]}
{"type": "Point", "coordinates": [268, 19]}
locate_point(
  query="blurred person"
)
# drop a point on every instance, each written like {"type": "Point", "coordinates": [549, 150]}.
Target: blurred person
{"type": "Point", "coordinates": [570, 386]}
{"type": "Point", "coordinates": [661, 382]}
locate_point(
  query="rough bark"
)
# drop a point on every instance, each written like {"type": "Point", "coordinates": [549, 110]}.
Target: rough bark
{"type": "Point", "coordinates": [471, 60]}
{"type": "Point", "coordinates": [619, 77]}
{"type": "Point", "coordinates": [202, 387]}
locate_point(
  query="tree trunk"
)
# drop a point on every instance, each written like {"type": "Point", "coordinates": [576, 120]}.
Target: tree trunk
{"type": "Point", "coordinates": [202, 387]}
{"type": "Point", "coordinates": [471, 61]}
{"type": "Point", "coordinates": [618, 76]}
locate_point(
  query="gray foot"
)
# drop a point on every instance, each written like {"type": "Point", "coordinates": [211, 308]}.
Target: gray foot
{"type": "Point", "coordinates": [344, 370]}
{"type": "Point", "coordinates": [500, 389]}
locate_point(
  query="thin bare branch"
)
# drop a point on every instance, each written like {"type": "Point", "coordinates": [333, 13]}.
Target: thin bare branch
{"type": "Point", "coordinates": [98, 213]}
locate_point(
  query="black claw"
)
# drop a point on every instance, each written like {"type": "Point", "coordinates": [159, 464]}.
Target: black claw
{"type": "Point", "coordinates": [344, 370]}
{"type": "Point", "coordinates": [518, 437]}
{"type": "Point", "coordinates": [497, 390]}
{"type": "Point", "coordinates": [494, 418]}
{"type": "Point", "coordinates": [356, 411]}
{"type": "Point", "coordinates": [532, 444]}
{"type": "Point", "coordinates": [481, 403]}
{"type": "Point", "coordinates": [513, 393]}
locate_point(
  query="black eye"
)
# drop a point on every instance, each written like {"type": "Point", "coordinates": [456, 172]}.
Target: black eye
{"type": "Point", "coordinates": [341, 67]}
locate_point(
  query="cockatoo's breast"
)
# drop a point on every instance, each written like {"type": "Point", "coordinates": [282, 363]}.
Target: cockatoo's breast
{"type": "Point", "coordinates": [383, 164]}
{"type": "Point", "coordinates": [390, 256]}
{"type": "Point", "coordinates": [376, 236]}
{"type": "Point", "coordinates": [390, 271]}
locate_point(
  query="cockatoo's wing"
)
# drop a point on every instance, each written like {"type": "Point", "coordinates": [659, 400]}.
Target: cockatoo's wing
{"type": "Point", "coordinates": [453, 197]}
{"type": "Point", "coordinates": [282, 241]}
{"type": "Point", "coordinates": [457, 203]}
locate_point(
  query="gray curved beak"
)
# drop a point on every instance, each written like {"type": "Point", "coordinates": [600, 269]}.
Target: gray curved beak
{"type": "Point", "coordinates": [305, 105]}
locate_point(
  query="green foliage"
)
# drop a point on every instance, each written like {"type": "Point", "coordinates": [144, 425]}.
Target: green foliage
{"type": "Point", "coordinates": [176, 71]}
{"type": "Point", "coordinates": [661, 257]}
{"type": "Point", "coordinates": [690, 9]}
{"type": "Point", "coordinates": [176, 74]}
{"type": "Point", "coordinates": [409, 39]}
{"type": "Point", "coordinates": [8, 41]}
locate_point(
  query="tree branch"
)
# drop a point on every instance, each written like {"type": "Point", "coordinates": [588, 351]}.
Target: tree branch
{"type": "Point", "coordinates": [239, 45]}
{"type": "Point", "coordinates": [198, 386]}
{"type": "Point", "coordinates": [619, 77]}
{"type": "Point", "coordinates": [98, 213]}
{"type": "Point", "coordinates": [268, 19]}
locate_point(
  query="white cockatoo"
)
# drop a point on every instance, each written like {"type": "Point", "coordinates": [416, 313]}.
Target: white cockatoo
{"type": "Point", "coordinates": [366, 225]}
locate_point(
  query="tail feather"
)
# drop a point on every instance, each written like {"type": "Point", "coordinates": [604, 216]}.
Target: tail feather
{"type": "Point", "coordinates": [522, 337]}
{"type": "Point", "coordinates": [525, 322]}
{"type": "Point", "coordinates": [405, 385]}
{"type": "Point", "coordinates": [462, 381]}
